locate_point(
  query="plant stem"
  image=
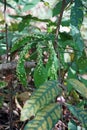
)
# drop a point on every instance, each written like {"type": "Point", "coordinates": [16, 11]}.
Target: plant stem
{"type": "Point", "coordinates": [6, 30]}
{"type": "Point", "coordinates": [10, 83]}
{"type": "Point", "coordinates": [11, 106]}
{"type": "Point", "coordinates": [56, 37]}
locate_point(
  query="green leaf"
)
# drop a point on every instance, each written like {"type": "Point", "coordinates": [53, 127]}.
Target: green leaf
{"type": "Point", "coordinates": [45, 118]}
{"type": "Point", "coordinates": [84, 81]}
{"type": "Point", "coordinates": [20, 43]}
{"type": "Point", "coordinates": [30, 4]}
{"type": "Point", "coordinates": [1, 37]}
{"type": "Point", "coordinates": [80, 128]}
{"type": "Point", "coordinates": [79, 87]}
{"type": "Point", "coordinates": [77, 14]}
{"type": "Point", "coordinates": [57, 9]}
{"type": "Point", "coordinates": [2, 48]}
{"type": "Point", "coordinates": [70, 43]}
{"type": "Point", "coordinates": [79, 113]}
{"type": "Point", "coordinates": [76, 20]}
{"type": "Point", "coordinates": [65, 37]}
{"type": "Point", "coordinates": [13, 26]}
{"type": "Point", "coordinates": [82, 62]}
{"type": "Point", "coordinates": [40, 75]}
{"type": "Point", "coordinates": [24, 23]}
{"type": "Point", "coordinates": [65, 22]}
{"type": "Point", "coordinates": [21, 73]}
{"type": "Point", "coordinates": [68, 1]}
{"type": "Point", "coordinates": [3, 84]}
{"type": "Point", "coordinates": [30, 38]}
{"type": "Point", "coordinates": [52, 68]}
{"type": "Point", "coordinates": [41, 97]}
{"type": "Point", "coordinates": [72, 125]}
{"type": "Point", "coordinates": [77, 39]}
{"type": "Point", "coordinates": [29, 17]}
{"type": "Point", "coordinates": [16, 1]}
{"type": "Point", "coordinates": [40, 72]}
{"type": "Point", "coordinates": [72, 73]}
{"type": "Point", "coordinates": [52, 64]}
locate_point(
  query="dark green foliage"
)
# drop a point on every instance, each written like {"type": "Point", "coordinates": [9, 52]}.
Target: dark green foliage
{"type": "Point", "coordinates": [25, 22]}
{"type": "Point", "coordinates": [77, 39]}
{"type": "Point", "coordinates": [57, 8]}
{"type": "Point", "coordinates": [31, 41]}
{"type": "Point", "coordinates": [82, 63]}
{"type": "Point", "coordinates": [24, 39]}
{"type": "Point", "coordinates": [2, 48]}
{"type": "Point", "coordinates": [52, 64]}
{"type": "Point", "coordinates": [72, 125]}
{"type": "Point", "coordinates": [20, 43]}
{"type": "Point", "coordinates": [29, 4]}
{"type": "Point", "coordinates": [29, 17]}
{"type": "Point", "coordinates": [76, 20]}
{"type": "Point", "coordinates": [40, 72]}
{"type": "Point", "coordinates": [21, 73]}
{"type": "Point", "coordinates": [79, 87]}
{"type": "Point", "coordinates": [40, 75]}
{"type": "Point", "coordinates": [79, 113]}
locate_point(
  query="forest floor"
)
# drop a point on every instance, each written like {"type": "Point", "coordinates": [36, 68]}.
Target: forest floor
{"type": "Point", "coordinates": [12, 99]}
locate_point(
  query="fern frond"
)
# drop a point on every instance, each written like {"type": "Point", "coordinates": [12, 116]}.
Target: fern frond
{"type": "Point", "coordinates": [41, 97]}
{"type": "Point", "coordinates": [20, 43]}
{"type": "Point", "coordinates": [45, 118]}
{"type": "Point", "coordinates": [52, 64]}
{"type": "Point", "coordinates": [40, 73]}
{"type": "Point", "coordinates": [30, 38]}
{"type": "Point", "coordinates": [21, 73]}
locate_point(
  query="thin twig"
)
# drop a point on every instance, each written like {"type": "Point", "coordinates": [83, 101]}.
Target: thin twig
{"type": "Point", "coordinates": [59, 20]}
{"type": "Point", "coordinates": [10, 85]}
{"type": "Point", "coordinates": [6, 31]}
{"type": "Point", "coordinates": [56, 37]}
{"type": "Point", "coordinates": [11, 105]}
{"type": "Point", "coordinates": [22, 127]}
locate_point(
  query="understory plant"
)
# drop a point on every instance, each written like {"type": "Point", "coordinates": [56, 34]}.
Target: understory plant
{"type": "Point", "coordinates": [60, 63]}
